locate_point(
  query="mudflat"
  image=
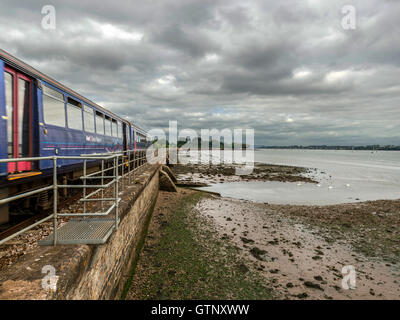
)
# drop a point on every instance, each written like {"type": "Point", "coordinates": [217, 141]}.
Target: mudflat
{"type": "Point", "coordinates": [276, 251]}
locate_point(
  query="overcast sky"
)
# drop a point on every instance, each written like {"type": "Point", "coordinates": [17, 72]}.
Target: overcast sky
{"type": "Point", "coordinates": [286, 68]}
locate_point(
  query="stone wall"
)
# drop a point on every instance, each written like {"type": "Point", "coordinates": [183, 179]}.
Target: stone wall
{"type": "Point", "coordinates": [88, 271]}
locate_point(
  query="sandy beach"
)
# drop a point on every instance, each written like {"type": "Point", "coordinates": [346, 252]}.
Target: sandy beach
{"type": "Point", "coordinates": [295, 252]}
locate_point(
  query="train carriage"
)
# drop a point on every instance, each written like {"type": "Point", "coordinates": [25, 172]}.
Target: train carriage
{"type": "Point", "coordinates": [41, 117]}
{"type": "Point", "coordinates": [142, 140]}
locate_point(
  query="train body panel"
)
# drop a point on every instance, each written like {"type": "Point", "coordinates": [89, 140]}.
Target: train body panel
{"type": "Point", "coordinates": [65, 141]}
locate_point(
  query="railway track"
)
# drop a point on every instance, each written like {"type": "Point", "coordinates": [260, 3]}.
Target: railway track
{"type": "Point", "coordinates": [19, 226]}
{"type": "Point", "coordinates": [31, 220]}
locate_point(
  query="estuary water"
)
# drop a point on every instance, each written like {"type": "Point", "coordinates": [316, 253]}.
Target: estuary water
{"type": "Point", "coordinates": [344, 176]}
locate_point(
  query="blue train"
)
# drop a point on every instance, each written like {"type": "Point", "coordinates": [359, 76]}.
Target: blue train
{"type": "Point", "coordinates": [41, 117]}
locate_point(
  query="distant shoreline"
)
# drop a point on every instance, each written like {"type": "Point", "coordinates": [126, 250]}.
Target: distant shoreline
{"type": "Point", "coordinates": [349, 148]}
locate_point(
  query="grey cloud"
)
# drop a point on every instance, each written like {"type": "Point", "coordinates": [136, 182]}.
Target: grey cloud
{"type": "Point", "coordinates": [285, 68]}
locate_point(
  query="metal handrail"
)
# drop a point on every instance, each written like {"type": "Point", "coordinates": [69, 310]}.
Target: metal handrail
{"type": "Point", "coordinates": [134, 160]}
{"type": "Point", "coordinates": [23, 195]}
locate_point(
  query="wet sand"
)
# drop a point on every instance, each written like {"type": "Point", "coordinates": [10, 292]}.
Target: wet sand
{"type": "Point", "coordinates": [293, 256]}
{"type": "Point", "coordinates": [300, 250]}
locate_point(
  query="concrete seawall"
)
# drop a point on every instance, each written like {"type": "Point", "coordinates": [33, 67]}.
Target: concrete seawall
{"type": "Point", "coordinates": [88, 271]}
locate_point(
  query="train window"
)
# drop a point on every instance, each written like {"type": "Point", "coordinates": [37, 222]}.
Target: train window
{"type": "Point", "coordinates": [88, 117]}
{"type": "Point", "coordinates": [99, 123]}
{"type": "Point", "coordinates": [107, 124]}
{"type": "Point", "coordinates": [53, 107]}
{"type": "Point", "coordinates": [119, 130]}
{"type": "Point", "coordinates": [74, 112]}
{"type": "Point", "coordinates": [114, 128]}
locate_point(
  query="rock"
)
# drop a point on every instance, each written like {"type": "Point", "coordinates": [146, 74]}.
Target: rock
{"type": "Point", "coordinates": [313, 285]}
{"type": "Point", "coordinates": [371, 292]}
{"type": "Point", "coordinates": [166, 183]}
{"type": "Point", "coordinates": [318, 278]}
{"type": "Point", "coordinates": [319, 252]}
{"type": "Point", "coordinates": [258, 253]}
{"type": "Point", "coordinates": [302, 295]}
{"type": "Point", "coordinates": [245, 240]}
{"type": "Point", "coordinates": [168, 171]}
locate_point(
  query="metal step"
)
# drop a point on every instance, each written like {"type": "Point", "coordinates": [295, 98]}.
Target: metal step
{"type": "Point", "coordinates": [21, 175]}
{"type": "Point", "coordinates": [82, 231]}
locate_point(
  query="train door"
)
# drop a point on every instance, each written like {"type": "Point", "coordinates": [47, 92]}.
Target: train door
{"type": "Point", "coordinates": [125, 137]}
{"type": "Point", "coordinates": [19, 113]}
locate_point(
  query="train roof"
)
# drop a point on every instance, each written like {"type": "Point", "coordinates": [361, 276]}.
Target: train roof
{"type": "Point", "coordinates": [27, 69]}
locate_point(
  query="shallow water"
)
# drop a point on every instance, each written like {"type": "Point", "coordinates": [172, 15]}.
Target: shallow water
{"type": "Point", "coordinates": [343, 176]}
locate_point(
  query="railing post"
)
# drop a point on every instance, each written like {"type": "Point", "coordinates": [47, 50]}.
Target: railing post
{"type": "Point", "coordinates": [122, 171]}
{"type": "Point", "coordinates": [134, 162]}
{"type": "Point", "coordinates": [102, 183]}
{"type": "Point", "coordinates": [129, 167]}
{"type": "Point", "coordinates": [55, 196]}
{"type": "Point", "coordinates": [116, 190]}
{"type": "Point", "coordinates": [84, 183]}
{"type": "Point", "coordinates": [134, 165]}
